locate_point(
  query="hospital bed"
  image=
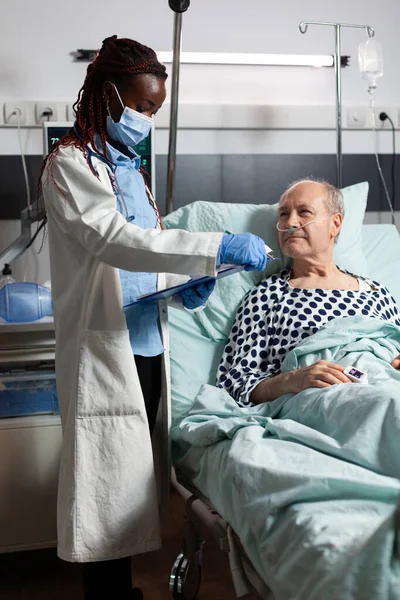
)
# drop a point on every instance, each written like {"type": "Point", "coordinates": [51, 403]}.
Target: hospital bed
{"type": "Point", "coordinates": [196, 346]}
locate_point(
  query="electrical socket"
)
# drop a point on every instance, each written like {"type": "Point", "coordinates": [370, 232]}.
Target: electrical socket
{"type": "Point", "coordinates": [357, 117]}
{"type": "Point", "coordinates": [43, 107]}
{"type": "Point", "coordinates": [10, 113]}
{"type": "Point", "coordinates": [391, 112]}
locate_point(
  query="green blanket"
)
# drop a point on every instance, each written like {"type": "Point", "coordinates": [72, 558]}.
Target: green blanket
{"type": "Point", "coordinates": [310, 482]}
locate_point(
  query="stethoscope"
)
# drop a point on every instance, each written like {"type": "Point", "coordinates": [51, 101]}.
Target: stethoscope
{"type": "Point", "coordinates": [90, 154]}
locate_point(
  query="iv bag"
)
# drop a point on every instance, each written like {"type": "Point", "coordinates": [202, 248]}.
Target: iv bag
{"type": "Point", "coordinates": [370, 60]}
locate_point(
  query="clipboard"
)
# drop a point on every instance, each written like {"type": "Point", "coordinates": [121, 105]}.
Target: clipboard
{"type": "Point", "coordinates": [224, 271]}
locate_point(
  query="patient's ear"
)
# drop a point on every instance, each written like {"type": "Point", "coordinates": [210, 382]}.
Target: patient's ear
{"type": "Point", "coordinates": [336, 224]}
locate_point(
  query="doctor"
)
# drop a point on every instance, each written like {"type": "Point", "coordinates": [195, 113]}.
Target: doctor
{"type": "Point", "coordinates": [107, 247]}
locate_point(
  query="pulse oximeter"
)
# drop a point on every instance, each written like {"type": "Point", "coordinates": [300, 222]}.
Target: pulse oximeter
{"type": "Point", "coordinates": [356, 375]}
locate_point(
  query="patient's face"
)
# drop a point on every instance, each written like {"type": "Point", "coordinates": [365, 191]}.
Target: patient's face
{"type": "Point", "coordinates": [303, 203]}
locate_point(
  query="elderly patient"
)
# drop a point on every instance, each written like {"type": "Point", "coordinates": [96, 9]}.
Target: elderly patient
{"type": "Point", "coordinates": [286, 308]}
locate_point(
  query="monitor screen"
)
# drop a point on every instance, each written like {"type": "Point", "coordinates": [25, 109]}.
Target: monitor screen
{"type": "Point", "coordinates": [53, 135]}
{"type": "Point", "coordinates": [54, 131]}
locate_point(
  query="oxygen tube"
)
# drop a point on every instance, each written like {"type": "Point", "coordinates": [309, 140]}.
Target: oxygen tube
{"type": "Point", "coordinates": [295, 228]}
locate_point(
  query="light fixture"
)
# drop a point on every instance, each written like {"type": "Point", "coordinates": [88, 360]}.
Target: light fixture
{"type": "Point", "coordinates": [278, 60]}
{"type": "Point", "coordinates": [234, 58]}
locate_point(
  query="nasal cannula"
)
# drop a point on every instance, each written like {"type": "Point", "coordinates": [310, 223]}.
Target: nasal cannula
{"type": "Point", "coordinates": [268, 250]}
{"type": "Point", "coordinates": [295, 228]}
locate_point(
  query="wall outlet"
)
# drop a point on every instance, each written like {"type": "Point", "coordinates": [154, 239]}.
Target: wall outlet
{"type": "Point", "coordinates": [357, 117]}
{"type": "Point", "coordinates": [391, 112]}
{"type": "Point", "coordinates": [46, 111]}
{"type": "Point", "coordinates": [15, 112]}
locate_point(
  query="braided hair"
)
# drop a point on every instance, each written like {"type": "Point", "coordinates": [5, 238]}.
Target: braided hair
{"type": "Point", "coordinates": [118, 61]}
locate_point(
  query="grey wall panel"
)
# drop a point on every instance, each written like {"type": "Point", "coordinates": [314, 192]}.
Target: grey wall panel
{"type": "Point", "coordinates": [259, 178]}
{"type": "Point", "coordinates": [12, 184]}
{"type": "Point", "coordinates": [363, 168]}
{"type": "Point", "coordinates": [262, 178]}
{"type": "Point", "coordinates": [197, 178]}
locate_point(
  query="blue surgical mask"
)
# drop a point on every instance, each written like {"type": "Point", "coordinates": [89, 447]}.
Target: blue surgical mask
{"type": "Point", "coordinates": [132, 128]}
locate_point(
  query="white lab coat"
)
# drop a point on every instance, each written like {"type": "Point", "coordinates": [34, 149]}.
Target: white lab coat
{"type": "Point", "coordinates": [107, 499]}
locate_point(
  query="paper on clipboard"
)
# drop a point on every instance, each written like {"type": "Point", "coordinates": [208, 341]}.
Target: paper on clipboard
{"type": "Point", "coordinates": [222, 271]}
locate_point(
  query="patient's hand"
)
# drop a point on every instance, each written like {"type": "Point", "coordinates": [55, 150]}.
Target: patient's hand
{"type": "Point", "coordinates": [396, 362]}
{"type": "Point", "coordinates": [320, 375]}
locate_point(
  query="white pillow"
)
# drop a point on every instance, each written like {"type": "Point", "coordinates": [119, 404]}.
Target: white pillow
{"type": "Point", "coordinates": [348, 252]}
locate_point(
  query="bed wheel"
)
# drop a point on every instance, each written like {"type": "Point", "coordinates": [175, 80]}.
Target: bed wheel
{"type": "Point", "coordinates": [185, 578]}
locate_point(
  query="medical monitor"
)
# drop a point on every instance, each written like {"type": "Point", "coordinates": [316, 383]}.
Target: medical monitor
{"type": "Point", "coordinates": [55, 130]}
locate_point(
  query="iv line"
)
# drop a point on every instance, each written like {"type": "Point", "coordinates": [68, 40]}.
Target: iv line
{"type": "Point", "coordinates": [371, 92]}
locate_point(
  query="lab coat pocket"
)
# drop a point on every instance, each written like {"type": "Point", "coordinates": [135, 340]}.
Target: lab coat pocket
{"type": "Point", "coordinates": [108, 382]}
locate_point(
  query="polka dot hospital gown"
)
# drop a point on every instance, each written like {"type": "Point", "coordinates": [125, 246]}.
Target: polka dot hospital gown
{"type": "Point", "coordinates": [274, 318]}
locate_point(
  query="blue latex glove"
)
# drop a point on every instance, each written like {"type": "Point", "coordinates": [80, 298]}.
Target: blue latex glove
{"type": "Point", "coordinates": [197, 296]}
{"type": "Point", "coordinates": [243, 249]}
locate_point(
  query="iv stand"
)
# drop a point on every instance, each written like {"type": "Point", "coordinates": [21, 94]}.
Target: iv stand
{"type": "Point", "coordinates": [338, 73]}
{"type": "Point", "coordinates": [179, 7]}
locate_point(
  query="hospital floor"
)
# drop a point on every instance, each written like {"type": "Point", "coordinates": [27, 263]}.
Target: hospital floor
{"type": "Point", "coordinates": [41, 575]}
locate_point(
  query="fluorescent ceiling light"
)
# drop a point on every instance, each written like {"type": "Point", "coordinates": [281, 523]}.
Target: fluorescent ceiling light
{"type": "Point", "coordinates": [225, 58]}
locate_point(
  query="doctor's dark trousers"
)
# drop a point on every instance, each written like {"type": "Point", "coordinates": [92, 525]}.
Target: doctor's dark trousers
{"type": "Point", "coordinates": [111, 579]}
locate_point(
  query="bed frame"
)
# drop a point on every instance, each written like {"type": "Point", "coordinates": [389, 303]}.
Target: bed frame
{"type": "Point", "coordinates": [185, 578]}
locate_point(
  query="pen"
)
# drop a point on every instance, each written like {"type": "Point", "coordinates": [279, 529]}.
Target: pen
{"type": "Point", "coordinates": [268, 250]}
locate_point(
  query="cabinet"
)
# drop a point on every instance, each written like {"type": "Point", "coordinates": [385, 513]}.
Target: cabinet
{"type": "Point", "coordinates": [30, 447]}
{"type": "Point", "coordinates": [30, 450]}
